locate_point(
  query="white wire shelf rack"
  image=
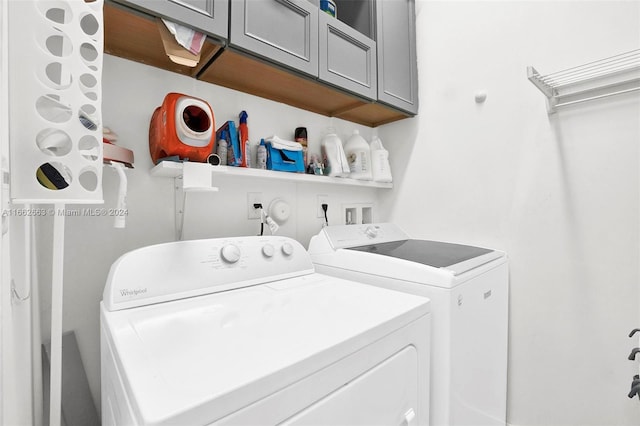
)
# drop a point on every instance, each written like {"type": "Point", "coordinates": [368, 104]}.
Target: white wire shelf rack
{"type": "Point", "coordinates": [616, 75]}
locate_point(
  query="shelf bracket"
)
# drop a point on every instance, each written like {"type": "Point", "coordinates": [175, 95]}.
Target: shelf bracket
{"type": "Point", "coordinates": [194, 178]}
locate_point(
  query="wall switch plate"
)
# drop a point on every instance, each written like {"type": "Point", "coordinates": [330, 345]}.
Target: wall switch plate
{"type": "Point", "coordinates": [322, 199]}
{"type": "Point", "coordinates": [254, 198]}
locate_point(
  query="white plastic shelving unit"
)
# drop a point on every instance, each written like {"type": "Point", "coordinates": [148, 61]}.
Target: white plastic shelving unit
{"type": "Point", "coordinates": [55, 52]}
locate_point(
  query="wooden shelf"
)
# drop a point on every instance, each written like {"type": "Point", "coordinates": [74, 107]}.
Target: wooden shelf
{"type": "Point", "coordinates": [238, 71]}
{"type": "Point", "coordinates": [372, 114]}
{"type": "Point", "coordinates": [134, 36]}
{"type": "Point", "coordinates": [241, 72]}
{"type": "Point", "coordinates": [174, 169]}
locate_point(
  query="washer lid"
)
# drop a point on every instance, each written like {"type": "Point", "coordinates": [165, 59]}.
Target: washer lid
{"type": "Point", "coordinates": [199, 359]}
{"type": "Point", "coordinates": [350, 247]}
{"type": "Point", "coordinates": [430, 253]}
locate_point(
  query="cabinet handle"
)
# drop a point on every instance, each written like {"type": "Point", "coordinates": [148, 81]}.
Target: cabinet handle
{"type": "Point", "coordinates": [634, 352]}
{"type": "Point", "coordinates": [634, 331]}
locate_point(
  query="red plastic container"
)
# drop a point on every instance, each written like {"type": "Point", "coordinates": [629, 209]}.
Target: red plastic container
{"type": "Point", "coordinates": [182, 126]}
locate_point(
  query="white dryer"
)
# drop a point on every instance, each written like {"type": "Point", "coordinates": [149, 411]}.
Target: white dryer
{"type": "Point", "coordinates": [243, 331]}
{"type": "Point", "coordinates": [468, 288]}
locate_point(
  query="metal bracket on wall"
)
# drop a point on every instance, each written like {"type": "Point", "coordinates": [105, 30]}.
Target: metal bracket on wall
{"type": "Point", "coordinates": [600, 79]}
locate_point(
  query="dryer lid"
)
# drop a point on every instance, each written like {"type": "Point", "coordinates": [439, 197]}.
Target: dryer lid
{"type": "Point", "coordinates": [202, 358]}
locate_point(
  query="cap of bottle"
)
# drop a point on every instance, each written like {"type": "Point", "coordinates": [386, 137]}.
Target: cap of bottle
{"type": "Point", "coordinates": [300, 135]}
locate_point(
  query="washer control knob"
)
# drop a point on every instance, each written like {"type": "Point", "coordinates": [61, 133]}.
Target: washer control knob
{"type": "Point", "coordinates": [371, 232]}
{"type": "Point", "coordinates": [230, 253]}
{"type": "Point", "coordinates": [268, 250]}
{"type": "Point", "coordinates": [287, 249]}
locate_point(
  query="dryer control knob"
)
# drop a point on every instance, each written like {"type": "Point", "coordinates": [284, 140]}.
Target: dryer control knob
{"type": "Point", "coordinates": [371, 232]}
{"type": "Point", "coordinates": [268, 250]}
{"type": "Point", "coordinates": [287, 249]}
{"type": "Point", "coordinates": [230, 253]}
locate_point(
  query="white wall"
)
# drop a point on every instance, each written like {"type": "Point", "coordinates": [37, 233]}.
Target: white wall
{"type": "Point", "coordinates": [559, 193]}
{"type": "Point", "coordinates": [131, 92]}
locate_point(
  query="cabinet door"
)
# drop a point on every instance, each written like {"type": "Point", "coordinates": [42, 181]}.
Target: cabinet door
{"type": "Point", "coordinates": [347, 58]}
{"type": "Point", "coordinates": [397, 64]}
{"type": "Point", "coordinates": [208, 16]}
{"type": "Point", "coordinates": [281, 31]}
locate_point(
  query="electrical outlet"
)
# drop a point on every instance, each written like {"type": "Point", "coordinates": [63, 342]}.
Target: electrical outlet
{"type": "Point", "coordinates": [254, 198]}
{"type": "Point", "coordinates": [322, 199]}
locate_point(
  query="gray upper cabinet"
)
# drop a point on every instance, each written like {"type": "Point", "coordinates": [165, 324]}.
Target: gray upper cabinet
{"type": "Point", "coordinates": [359, 66]}
{"type": "Point", "coordinates": [281, 31]}
{"type": "Point", "coordinates": [347, 58]}
{"type": "Point", "coordinates": [397, 64]}
{"type": "Point", "coordinates": [208, 16]}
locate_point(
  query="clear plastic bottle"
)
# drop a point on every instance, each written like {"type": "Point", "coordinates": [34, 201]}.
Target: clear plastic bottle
{"type": "Point", "coordinates": [247, 154]}
{"type": "Point", "coordinates": [261, 157]}
{"type": "Point", "coordinates": [380, 167]}
{"type": "Point", "coordinates": [222, 152]}
{"type": "Point", "coordinates": [359, 157]}
{"type": "Point", "coordinates": [333, 154]}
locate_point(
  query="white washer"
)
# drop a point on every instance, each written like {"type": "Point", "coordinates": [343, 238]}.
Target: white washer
{"type": "Point", "coordinates": [243, 331]}
{"type": "Point", "coordinates": [468, 287]}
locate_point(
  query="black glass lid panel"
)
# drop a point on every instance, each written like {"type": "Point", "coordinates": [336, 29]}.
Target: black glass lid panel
{"type": "Point", "coordinates": [431, 253]}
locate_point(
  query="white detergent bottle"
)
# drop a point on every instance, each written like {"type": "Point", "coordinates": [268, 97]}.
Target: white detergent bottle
{"type": "Point", "coordinates": [380, 167]}
{"type": "Point", "coordinates": [333, 155]}
{"type": "Point", "coordinates": [358, 156]}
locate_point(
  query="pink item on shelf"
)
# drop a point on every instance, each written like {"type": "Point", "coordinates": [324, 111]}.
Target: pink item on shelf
{"type": "Point", "coordinates": [186, 37]}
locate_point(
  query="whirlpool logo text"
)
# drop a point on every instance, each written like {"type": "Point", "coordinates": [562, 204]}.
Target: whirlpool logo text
{"type": "Point", "coordinates": [125, 292]}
